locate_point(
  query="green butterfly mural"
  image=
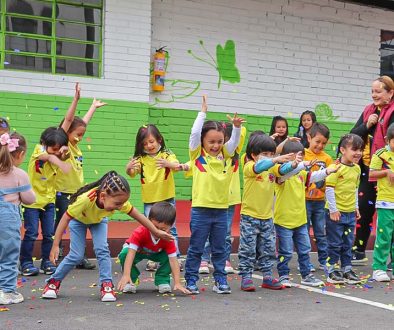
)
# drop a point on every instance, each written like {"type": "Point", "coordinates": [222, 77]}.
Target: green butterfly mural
{"type": "Point", "coordinates": [324, 113]}
{"type": "Point", "coordinates": [225, 63]}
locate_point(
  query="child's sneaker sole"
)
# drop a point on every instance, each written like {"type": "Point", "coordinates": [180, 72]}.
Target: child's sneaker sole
{"type": "Point", "coordinates": [217, 290]}
{"type": "Point", "coordinates": [108, 297]}
{"type": "Point", "coordinates": [50, 294]}
{"type": "Point", "coordinates": [331, 281]}
{"type": "Point", "coordinates": [271, 287]}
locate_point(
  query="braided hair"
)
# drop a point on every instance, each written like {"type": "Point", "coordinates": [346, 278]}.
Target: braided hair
{"type": "Point", "coordinates": [111, 183]}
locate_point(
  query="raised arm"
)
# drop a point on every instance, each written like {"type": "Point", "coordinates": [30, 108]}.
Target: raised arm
{"type": "Point", "coordinates": [68, 119]}
{"type": "Point", "coordinates": [195, 135]}
{"type": "Point", "coordinates": [95, 105]}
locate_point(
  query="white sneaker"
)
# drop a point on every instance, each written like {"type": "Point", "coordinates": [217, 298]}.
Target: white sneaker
{"type": "Point", "coordinates": [228, 268]}
{"type": "Point", "coordinates": [285, 281]}
{"type": "Point", "coordinates": [380, 276]}
{"type": "Point", "coordinates": [129, 288]}
{"type": "Point", "coordinates": [311, 280]}
{"type": "Point", "coordinates": [151, 266]}
{"type": "Point", "coordinates": [7, 298]}
{"type": "Point", "coordinates": [204, 269]}
{"type": "Point", "coordinates": [164, 288]}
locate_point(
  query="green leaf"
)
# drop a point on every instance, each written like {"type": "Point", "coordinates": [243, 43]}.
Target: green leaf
{"type": "Point", "coordinates": [225, 58]}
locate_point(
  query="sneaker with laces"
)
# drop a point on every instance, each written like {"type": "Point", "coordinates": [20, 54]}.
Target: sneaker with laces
{"type": "Point", "coordinates": [311, 280]}
{"type": "Point", "coordinates": [380, 276]}
{"type": "Point", "coordinates": [228, 268]}
{"type": "Point", "coordinates": [335, 277]}
{"type": "Point", "coordinates": [129, 288]}
{"type": "Point", "coordinates": [192, 287]}
{"type": "Point", "coordinates": [351, 277]}
{"type": "Point", "coordinates": [29, 270]}
{"type": "Point", "coordinates": [164, 288]}
{"type": "Point", "coordinates": [151, 266]}
{"type": "Point", "coordinates": [8, 298]}
{"type": "Point", "coordinates": [107, 292]}
{"type": "Point", "coordinates": [247, 284]}
{"type": "Point", "coordinates": [221, 286]}
{"type": "Point", "coordinates": [204, 269]}
{"type": "Point", "coordinates": [51, 289]}
{"type": "Point", "coordinates": [271, 283]}
{"type": "Point", "coordinates": [359, 258]}
{"type": "Point", "coordinates": [47, 267]}
{"type": "Point", "coordinates": [285, 281]}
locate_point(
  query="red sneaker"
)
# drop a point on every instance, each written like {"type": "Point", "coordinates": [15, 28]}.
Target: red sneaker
{"type": "Point", "coordinates": [51, 289]}
{"type": "Point", "coordinates": [107, 292]}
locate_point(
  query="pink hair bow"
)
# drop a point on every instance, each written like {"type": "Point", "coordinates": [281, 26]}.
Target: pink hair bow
{"type": "Point", "coordinates": [12, 143]}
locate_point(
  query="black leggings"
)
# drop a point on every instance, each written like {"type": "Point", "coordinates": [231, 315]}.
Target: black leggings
{"type": "Point", "coordinates": [366, 205]}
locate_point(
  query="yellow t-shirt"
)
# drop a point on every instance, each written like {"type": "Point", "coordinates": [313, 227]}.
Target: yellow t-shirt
{"type": "Point", "coordinates": [211, 178]}
{"type": "Point", "coordinates": [258, 194]}
{"type": "Point", "coordinates": [85, 209]}
{"type": "Point", "coordinates": [42, 175]}
{"type": "Point", "coordinates": [383, 159]}
{"type": "Point", "coordinates": [345, 183]}
{"type": "Point", "coordinates": [316, 190]}
{"type": "Point", "coordinates": [290, 209]}
{"type": "Point", "coordinates": [69, 183]}
{"type": "Point", "coordinates": [157, 183]}
{"type": "Point", "coordinates": [235, 184]}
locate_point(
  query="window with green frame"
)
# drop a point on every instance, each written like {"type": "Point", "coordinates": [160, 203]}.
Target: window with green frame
{"type": "Point", "coordinates": [53, 36]}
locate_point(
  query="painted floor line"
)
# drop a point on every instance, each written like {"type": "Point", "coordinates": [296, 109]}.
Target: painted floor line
{"type": "Point", "coordinates": [337, 295]}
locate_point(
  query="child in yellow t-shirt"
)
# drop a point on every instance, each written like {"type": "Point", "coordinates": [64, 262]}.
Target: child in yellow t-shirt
{"type": "Point", "coordinates": [317, 138]}
{"type": "Point", "coordinates": [156, 165]}
{"type": "Point", "coordinates": [90, 208]}
{"type": "Point", "coordinates": [382, 169]}
{"type": "Point", "coordinates": [290, 215]}
{"type": "Point", "coordinates": [68, 184]}
{"type": "Point", "coordinates": [257, 231]}
{"type": "Point", "coordinates": [342, 210]}
{"type": "Point", "coordinates": [44, 164]}
{"type": "Point", "coordinates": [210, 157]}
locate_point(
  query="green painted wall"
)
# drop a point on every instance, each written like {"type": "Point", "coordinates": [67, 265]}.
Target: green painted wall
{"type": "Point", "coordinates": [111, 133]}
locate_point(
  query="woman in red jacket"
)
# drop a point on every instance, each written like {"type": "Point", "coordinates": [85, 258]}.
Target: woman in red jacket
{"type": "Point", "coordinates": [372, 127]}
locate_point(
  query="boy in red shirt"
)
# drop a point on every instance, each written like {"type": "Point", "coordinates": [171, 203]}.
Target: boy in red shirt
{"type": "Point", "coordinates": [143, 245]}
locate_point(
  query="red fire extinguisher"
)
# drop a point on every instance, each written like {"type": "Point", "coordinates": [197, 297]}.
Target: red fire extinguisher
{"type": "Point", "coordinates": [159, 64]}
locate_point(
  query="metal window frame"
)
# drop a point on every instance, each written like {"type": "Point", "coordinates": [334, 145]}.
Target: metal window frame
{"type": "Point", "coordinates": [52, 38]}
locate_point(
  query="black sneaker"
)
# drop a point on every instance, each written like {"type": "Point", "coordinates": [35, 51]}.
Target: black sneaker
{"type": "Point", "coordinates": [335, 277]}
{"type": "Point", "coordinates": [86, 264]}
{"type": "Point", "coordinates": [389, 267]}
{"type": "Point", "coordinates": [359, 258]}
{"type": "Point", "coordinates": [351, 278]}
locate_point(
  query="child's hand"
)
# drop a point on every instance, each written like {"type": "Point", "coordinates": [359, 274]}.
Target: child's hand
{"type": "Point", "coordinates": [64, 153]}
{"type": "Point", "coordinates": [54, 254]}
{"type": "Point", "coordinates": [182, 167]}
{"type": "Point", "coordinates": [133, 165]}
{"type": "Point", "coordinates": [162, 163]}
{"type": "Point", "coordinates": [310, 163]}
{"type": "Point", "coordinates": [164, 235]}
{"type": "Point", "coordinates": [98, 103]}
{"type": "Point", "coordinates": [123, 281]}
{"type": "Point", "coordinates": [298, 159]}
{"type": "Point", "coordinates": [390, 176]}
{"type": "Point", "coordinates": [77, 94]}
{"type": "Point", "coordinates": [335, 169]}
{"type": "Point", "coordinates": [237, 121]}
{"type": "Point", "coordinates": [204, 106]}
{"type": "Point", "coordinates": [283, 158]}
{"type": "Point", "coordinates": [180, 287]}
{"type": "Point", "coordinates": [358, 215]}
{"type": "Point", "coordinates": [335, 216]}
{"type": "Point", "coordinates": [274, 136]}
{"type": "Point", "coordinates": [293, 138]}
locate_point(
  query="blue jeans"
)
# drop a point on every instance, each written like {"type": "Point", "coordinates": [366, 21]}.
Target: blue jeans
{"type": "Point", "coordinates": [255, 235]}
{"type": "Point", "coordinates": [340, 236]}
{"type": "Point", "coordinates": [289, 239]}
{"type": "Point", "coordinates": [316, 218]}
{"type": "Point", "coordinates": [99, 234]}
{"type": "Point", "coordinates": [207, 223]}
{"type": "Point", "coordinates": [206, 256]}
{"type": "Point", "coordinates": [31, 219]}
{"type": "Point", "coordinates": [10, 240]}
{"type": "Point", "coordinates": [173, 231]}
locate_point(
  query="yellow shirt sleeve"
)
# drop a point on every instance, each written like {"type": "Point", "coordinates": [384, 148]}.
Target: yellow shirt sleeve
{"type": "Point", "coordinates": [332, 179]}
{"type": "Point", "coordinates": [126, 208]}
{"type": "Point", "coordinates": [241, 140]}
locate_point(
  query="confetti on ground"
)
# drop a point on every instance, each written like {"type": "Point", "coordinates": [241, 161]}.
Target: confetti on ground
{"type": "Point", "coordinates": [92, 285]}
{"type": "Point", "coordinates": [119, 305]}
{"type": "Point", "coordinates": [4, 309]}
